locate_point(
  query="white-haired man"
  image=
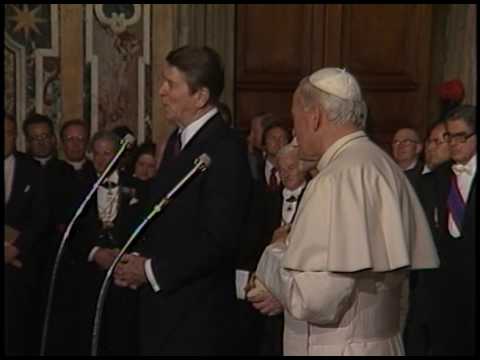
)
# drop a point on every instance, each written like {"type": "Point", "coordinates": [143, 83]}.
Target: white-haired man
{"type": "Point", "coordinates": [341, 272]}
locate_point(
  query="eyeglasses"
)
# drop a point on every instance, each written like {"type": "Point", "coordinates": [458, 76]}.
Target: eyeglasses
{"type": "Point", "coordinates": [40, 138]}
{"type": "Point", "coordinates": [461, 137]}
{"type": "Point", "coordinates": [404, 142]}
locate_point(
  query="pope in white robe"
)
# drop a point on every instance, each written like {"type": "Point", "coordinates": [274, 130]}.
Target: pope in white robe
{"type": "Point", "coordinates": [341, 274]}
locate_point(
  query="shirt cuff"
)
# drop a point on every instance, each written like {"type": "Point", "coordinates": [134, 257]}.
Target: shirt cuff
{"type": "Point", "coordinates": [92, 253]}
{"type": "Point", "coordinates": [241, 280]}
{"type": "Point", "coordinates": [150, 276]}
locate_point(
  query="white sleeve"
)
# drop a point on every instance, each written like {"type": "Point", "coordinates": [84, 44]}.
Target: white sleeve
{"type": "Point", "coordinates": [317, 297]}
{"type": "Point", "coordinates": [150, 276]}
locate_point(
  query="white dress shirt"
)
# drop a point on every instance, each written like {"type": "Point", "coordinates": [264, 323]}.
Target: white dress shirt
{"type": "Point", "coordinates": [107, 204]}
{"type": "Point", "coordinates": [189, 132]}
{"type": "Point", "coordinates": [9, 167]}
{"type": "Point", "coordinates": [186, 135]}
{"type": "Point", "coordinates": [268, 169]}
{"type": "Point", "coordinates": [289, 207]}
{"type": "Point", "coordinates": [464, 181]}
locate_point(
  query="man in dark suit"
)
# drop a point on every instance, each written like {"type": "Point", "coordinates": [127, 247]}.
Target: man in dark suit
{"type": "Point", "coordinates": [25, 219]}
{"type": "Point", "coordinates": [275, 136]}
{"type": "Point", "coordinates": [61, 189]}
{"type": "Point", "coordinates": [255, 143]}
{"type": "Point", "coordinates": [74, 137]}
{"type": "Point", "coordinates": [185, 272]}
{"type": "Point", "coordinates": [444, 307]}
{"type": "Point", "coordinates": [407, 148]}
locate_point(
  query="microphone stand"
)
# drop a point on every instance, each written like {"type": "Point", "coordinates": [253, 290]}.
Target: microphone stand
{"type": "Point", "coordinates": [199, 165]}
{"type": "Point", "coordinates": [51, 289]}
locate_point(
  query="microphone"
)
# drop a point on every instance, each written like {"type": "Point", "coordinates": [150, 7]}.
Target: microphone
{"type": "Point", "coordinates": [201, 164]}
{"type": "Point", "coordinates": [127, 141]}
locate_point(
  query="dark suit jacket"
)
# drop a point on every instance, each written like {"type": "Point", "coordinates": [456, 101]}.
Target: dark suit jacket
{"type": "Point", "coordinates": [415, 174]}
{"type": "Point", "coordinates": [445, 297]}
{"type": "Point", "coordinates": [193, 244]}
{"type": "Point", "coordinates": [25, 211]}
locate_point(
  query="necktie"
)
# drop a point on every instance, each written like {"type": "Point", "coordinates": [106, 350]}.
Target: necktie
{"type": "Point", "coordinates": [177, 144]}
{"type": "Point", "coordinates": [272, 181]}
{"type": "Point", "coordinates": [291, 199]}
{"type": "Point", "coordinates": [455, 203]}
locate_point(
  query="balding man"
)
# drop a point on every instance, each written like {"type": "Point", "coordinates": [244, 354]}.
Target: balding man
{"type": "Point", "coordinates": [406, 150]}
{"type": "Point", "coordinates": [341, 271]}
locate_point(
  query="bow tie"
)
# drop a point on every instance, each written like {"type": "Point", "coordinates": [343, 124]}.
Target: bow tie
{"type": "Point", "coordinates": [291, 199]}
{"type": "Point", "coordinates": [109, 184]}
{"type": "Point", "coordinates": [460, 169]}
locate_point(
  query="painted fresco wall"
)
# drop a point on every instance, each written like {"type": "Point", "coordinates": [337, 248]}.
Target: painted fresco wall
{"type": "Point", "coordinates": [116, 63]}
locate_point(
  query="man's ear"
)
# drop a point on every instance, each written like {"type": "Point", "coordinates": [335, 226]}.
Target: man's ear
{"type": "Point", "coordinates": [202, 96]}
{"type": "Point", "coordinates": [316, 119]}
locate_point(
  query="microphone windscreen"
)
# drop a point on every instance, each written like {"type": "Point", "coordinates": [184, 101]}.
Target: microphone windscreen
{"type": "Point", "coordinates": [129, 139]}
{"type": "Point", "coordinates": [205, 160]}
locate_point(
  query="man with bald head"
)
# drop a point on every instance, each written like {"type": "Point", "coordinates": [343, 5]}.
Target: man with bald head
{"type": "Point", "coordinates": [341, 272]}
{"type": "Point", "coordinates": [407, 148]}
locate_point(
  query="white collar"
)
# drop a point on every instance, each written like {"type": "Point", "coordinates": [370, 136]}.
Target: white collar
{"type": "Point", "coordinates": [188, 132]}
{"type": "Point", "coordinates": [44, 160]}
{"type": "Point", "coordinates": [295, 193]}
{"type": "Point", "coordinates": [77, 165]}
{"type": "Point", "coordinates": [412, 165]}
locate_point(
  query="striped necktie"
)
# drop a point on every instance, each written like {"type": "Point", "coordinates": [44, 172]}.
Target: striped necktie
{"type": "Point", "coordinates": [456, 203]}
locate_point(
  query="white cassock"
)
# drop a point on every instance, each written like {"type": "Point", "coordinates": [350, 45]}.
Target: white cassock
{"type": "Point", "coordinates": [342, 274]}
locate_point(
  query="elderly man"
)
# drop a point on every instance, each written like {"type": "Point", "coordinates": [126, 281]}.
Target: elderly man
{"type": "Point", "coordinates": [293, 178]}
{"type": "Point", "coordinates": [340, 272]}
{"type": "Point", "coordinates": [406, 150]}
{"type": "Point", "coordinates": [437, 150]}
{"type": "Point", "coordinates": [185, 273]}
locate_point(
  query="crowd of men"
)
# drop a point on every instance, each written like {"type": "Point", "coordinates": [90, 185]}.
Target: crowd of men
{"type": "Point", "coordinates": [304, 241]}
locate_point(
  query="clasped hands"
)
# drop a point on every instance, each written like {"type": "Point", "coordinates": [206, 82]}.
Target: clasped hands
{"type": "Point", "coordinates": [129, 272]}
{"type": "Point", "coordinates": [261, 298]}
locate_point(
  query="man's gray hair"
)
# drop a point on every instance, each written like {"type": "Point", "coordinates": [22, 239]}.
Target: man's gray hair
{"type": "Point", "coordinates": [108, 136]}
{"type": "Point", "coordinates": [292, 150]}
{"type": "Point", "coordinates": [338, 110]}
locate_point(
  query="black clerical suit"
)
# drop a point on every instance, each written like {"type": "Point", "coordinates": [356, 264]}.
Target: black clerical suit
{"type": "Point", "coordinates": [26, 212]}
{"type": "Point", "coordinates": [193, 244]}
{"type": "Point", "coordinates": [443, 310]}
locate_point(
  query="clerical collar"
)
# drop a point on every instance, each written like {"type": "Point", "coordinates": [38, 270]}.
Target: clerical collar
{"type": "Point", "coordinates": [43, 161]}
{"type": "Point", "coordinates": [77, 165]}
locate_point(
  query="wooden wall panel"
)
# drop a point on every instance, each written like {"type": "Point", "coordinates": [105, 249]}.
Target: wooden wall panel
{"type": "Point", "coordinates": [273, 43]}
{"type": "Point", "coordinates": [387, 47]}
{"type": "Point", "coordinates": [252, 102]}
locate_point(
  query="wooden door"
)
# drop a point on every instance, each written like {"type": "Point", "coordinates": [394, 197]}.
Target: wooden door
{"type": "Point", "coordinates": [387, 47]}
